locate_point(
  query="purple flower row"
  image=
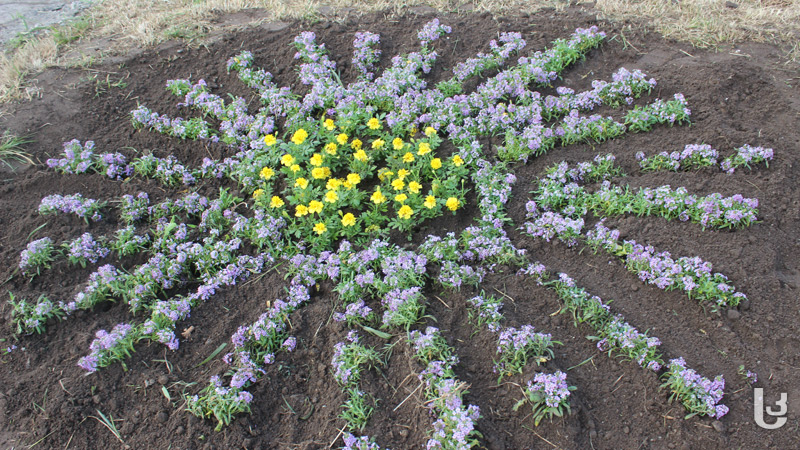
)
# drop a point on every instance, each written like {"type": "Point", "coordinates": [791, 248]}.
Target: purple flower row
{"type": "Point", "coordinates": [693, 156]}
{"type": "Point", "coordinates": [692, 275]}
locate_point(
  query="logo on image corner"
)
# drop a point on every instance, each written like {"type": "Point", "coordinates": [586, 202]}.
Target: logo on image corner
{"type": "Point", "coordinates": [758, 410]}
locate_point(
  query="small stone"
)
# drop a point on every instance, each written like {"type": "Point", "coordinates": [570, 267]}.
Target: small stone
{"type": "Point", "coordinates": [626, 429]}
{"type": "Point", "coordinates": [163, 379]}
{"type": "Point", "coordinates": [96, 399]}
{"type": "Point", "coordinates": [403, 433]}
{"type": "Point", "coordinates": [731, 5]}
{"type": "Point", "coordinates": [635, 287]}
{"type": "Point", "coordinates": [733, 314]}
{"type": "Point", "coordinates": [592, 434]}
{"type": "Point", "coordinates": [745, 305]}
{"type": "Point", "coordinates": [162, 417]}
{"type": "Point", "coordinates": [718, 426]}
{"type": "Point", "coordinates": [180, 430]}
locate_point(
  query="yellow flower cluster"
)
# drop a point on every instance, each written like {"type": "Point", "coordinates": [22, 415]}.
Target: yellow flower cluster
{"type": "Point", "coordinates": [316, 189]}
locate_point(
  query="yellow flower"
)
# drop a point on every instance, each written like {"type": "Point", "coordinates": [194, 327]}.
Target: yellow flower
{"type": "Point", "coordinates": [430, 131]}
{"type": "Point", "coordinates": [347, 185]}
{"type": "Point", "coordinates": [258, 193]}
{"type": "Point", "coordinates": [401, 198]}
{"type": "Point", "coordinates": [320, 173]}
{"type": "Point", "coordinates": [301, 182]}
{"type": "Point", "coordinates": [408, 157]}
{"type": "Point", "coordinates": [315, 207]}
{"type": "Point", "coordinates": [333, 184]}
{"type": "Point", "coordinates": [414, 187]}
{"type": "Point", "coordinates": [300, 210]}
{"type": "Point", "coordinates": [328, 124]}
{"type": "Point", "coordinates": [316, 160]}
{"type": "Point", "coordinates": [405, 212]}
{"type": "Point", "coordinates": [402, 174]}
{"type": "Point", "coordinates": [330, 148]}
{"type": "Point", "coordinates": [361, 155]}
{"type": "Point", "coordinates": [424, 149]}
{"type": "Point", "coordinates": [299, 136]}
{"type": "Point", "coordinates": [378, 197]}
{"type": "Point", "coordinates": [430, 202]}
{"type": "Point", "coordinates": [384, 173]}
{"type": "Point", "coordinates": [436, 163]}
{"type": "Point", "coordinates": [398, 184]}
{"type": "Point", "coordinates": [267, 173]}
{"type": "Point", "coordinates": [331, 196]}
{"type": "Point", "coordinates": [413, 130]}
{"type": "Point", "coordinates": [348, 220]}
{"type": "Point", "coordinates": [356, 144]}
{"type": "Point", "coordinates": [276, 202]}
{"type": "Point", "coordinates": [287, 160]}
{"type": "Point", "coordinates": [270, 140]}
{"type": "Point", "coordinates": [398, 143]}
{"type": "Point", "coordinates": [353, 178]}
{"type": "Point", "coordinates": [342, 139]}
{"type": "Point", "coordinates": [320, 228]}
{"type": "Point", "coordinates": [457, 161]}
{"type": "Point", "coordinates": [378, 143]}
{"type": "Point", "coordinates": [452, 203]}
{"type": "Point", "coordinates": [374, 123]}
{"type": "Point", "coordinates": [294, 167]}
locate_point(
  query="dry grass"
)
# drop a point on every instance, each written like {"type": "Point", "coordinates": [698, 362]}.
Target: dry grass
{"type": "Point", "coordinates": [709, 23]}
{"type": "Point", "coordinates": [141, 23]}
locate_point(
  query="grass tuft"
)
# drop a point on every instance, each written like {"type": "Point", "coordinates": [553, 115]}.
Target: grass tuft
{"type": "Point", "coordinates": [11, 150]}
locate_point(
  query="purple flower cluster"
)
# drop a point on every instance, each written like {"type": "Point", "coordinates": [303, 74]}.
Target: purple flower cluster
{"type": "Point", "coordinates": [194, 128]}
{"type": "Point", "coordinates": [746, 155]}
{"type": "Point", "coordinates": [30, 317]}
{"type": "Point", "coordinates": [115, 165]}
{"type": "Point", "coordinates": [359, 443]}
{"type": "Point", "coordinates": [133, 209]}
{"type": "Point", "coordinates": [366, 55]}
{"type": "Point", "coordinates": [487, 310]}
{"type": "Point", "coordinates": [552, 387]}
{"type": "Point", "coordinates": [432, 31]}
{"type": "Point", "coordinates": [403, 307]}
{"type": "Point", "coordinates": [102, 283]}
{"type": "Point", "coordinates": [516, 345]}
{"type": "Point", "coordinates": [535, 270]}
{"type": "Point", "coordinates": [109, 347]}
{"type": "Point", "coordinates": [86, 208]}
{"type": "Point", "coordinates": [348, 359]}
{"type": "Point", "coordinates": [77, 158]}
{"type": "Point", "coordinates": [354, 313]}
{"type": "Point", "coordinates": [622, 337]}
{"type": "Point", "coordinates": [512, 42]}
{"type": "Point", "coordinates": [693, 156]}
{"type": "Point", "coordinates": [548, 225]}
{"type": "Point", "coordinates": [86, 249]}
{"type": "Point", "coordinates": [575, 128]}
{"type": "Point", "coordinates": [699, 395]}
{"type": "Point", "coordinates": [37, 255]}
{"type": "Point", "coordinates": [168, 170]}
{"type": "Point", "coordinates": [668, 112]}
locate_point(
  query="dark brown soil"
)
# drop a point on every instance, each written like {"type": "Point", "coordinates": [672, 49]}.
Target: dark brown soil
{"type": "Point", "coordinates": [737, 96]}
